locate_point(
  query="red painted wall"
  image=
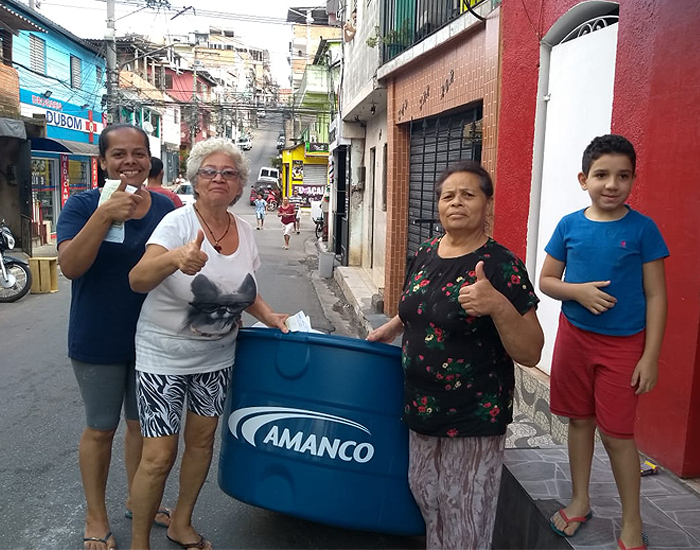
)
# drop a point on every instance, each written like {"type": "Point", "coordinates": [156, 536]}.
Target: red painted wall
{"type": "Point", "coordinates": [657, 106]}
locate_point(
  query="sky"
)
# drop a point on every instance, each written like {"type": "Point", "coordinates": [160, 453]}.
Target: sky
{"type": "Point", "coordinates": [87, 19]}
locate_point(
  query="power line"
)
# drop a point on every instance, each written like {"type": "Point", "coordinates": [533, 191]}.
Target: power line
{"type": "Point", "coordinates": [265, 19]}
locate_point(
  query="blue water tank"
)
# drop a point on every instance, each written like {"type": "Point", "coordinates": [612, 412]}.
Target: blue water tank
{"type": "Point", "coordinates": [313, 429]}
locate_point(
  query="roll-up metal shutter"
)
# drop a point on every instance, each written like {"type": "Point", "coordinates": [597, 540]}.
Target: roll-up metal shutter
{"type": "Point", "coordinates": [315, 174]}
{"type": "Point", "coordinates": [436, 143]}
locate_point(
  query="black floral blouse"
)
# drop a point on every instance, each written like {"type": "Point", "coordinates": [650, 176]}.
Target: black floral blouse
{"type": "Point", "coordinates": [459, 379]}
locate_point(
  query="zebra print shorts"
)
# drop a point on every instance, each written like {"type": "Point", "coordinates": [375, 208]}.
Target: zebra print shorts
{"type": "Point", "coordinates": [161, 398]}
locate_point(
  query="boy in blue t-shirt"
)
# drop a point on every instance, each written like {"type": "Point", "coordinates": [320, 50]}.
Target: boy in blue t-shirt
{"type": "Point", "coordinates": [260, 206]}
{"type": "Point", "coordinates": [611, 329]}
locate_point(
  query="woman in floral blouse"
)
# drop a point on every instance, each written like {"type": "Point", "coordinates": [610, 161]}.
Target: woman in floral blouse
{"type": "Point", "coordinates": [467, 312]}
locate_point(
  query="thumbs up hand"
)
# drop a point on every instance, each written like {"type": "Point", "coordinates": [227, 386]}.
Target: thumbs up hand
{"type": "Point", "coordinates": [480, 298]}
{"type": "Point", "coordinates": [121, 205]}
{"type": "Point", "coordinates": [191, 259]}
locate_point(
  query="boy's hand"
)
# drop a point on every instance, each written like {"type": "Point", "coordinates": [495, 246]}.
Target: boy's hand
{"type": "Point", "coordinates": [593, 299]}
{"type": "Point", "coordinates": [644, 376]}
{"type": "Point", "coordinates": [480, 298]}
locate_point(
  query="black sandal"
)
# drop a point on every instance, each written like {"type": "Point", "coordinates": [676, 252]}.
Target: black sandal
{"type": "Point", "coordinates": [201, 543]}
{"type": "Point", "coordinates": [102, 540]}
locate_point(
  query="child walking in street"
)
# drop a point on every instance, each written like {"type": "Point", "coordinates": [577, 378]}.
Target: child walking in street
{"type": "Point", "coordinates": [610, 331]}
{"type": "Point", "coordinates": [260, 206]}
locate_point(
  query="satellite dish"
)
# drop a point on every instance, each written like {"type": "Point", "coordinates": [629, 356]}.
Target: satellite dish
{"type": "Point", "coordinates": [147, 126]}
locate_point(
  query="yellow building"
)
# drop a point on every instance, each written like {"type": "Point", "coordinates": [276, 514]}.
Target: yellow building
{"type": "Point", "coordinates": [305, 171]}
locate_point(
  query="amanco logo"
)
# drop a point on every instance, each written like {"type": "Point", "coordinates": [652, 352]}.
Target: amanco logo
{"type": "Point", "coordinates": [252, 419]}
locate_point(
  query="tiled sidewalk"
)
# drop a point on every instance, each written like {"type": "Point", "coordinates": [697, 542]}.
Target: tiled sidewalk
{"type": "Point", "coordinates": [670, 510]}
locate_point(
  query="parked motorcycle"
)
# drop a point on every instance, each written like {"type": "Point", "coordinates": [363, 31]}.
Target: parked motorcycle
{"type": "Point", "coordinates": [15, 276]}
{"type": "Point", "coordinates": [272, 200]}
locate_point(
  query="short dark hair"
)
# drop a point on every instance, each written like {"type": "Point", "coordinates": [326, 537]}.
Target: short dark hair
{"type": "Point", "coordinates": [473, 167]}
{"type": "Point", "coordinates": [156, 167]}
{"type": "Point", "coordinates": [103, 142]}
{"type": "Point", "coordinates": [609, 144]}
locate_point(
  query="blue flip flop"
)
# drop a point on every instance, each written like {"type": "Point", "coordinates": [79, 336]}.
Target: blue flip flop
{"type": "Point", "coordinates": [128, 514]}
{"type": "Point", "coordinates": [580, 519]}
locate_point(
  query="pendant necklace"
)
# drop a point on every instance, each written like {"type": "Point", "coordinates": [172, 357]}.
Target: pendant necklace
{"type": "Point", "coordinates": [216, 244]}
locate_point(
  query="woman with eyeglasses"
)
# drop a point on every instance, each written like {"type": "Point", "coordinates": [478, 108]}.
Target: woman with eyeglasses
{"type": "Point", "coordinates": [199, 272]}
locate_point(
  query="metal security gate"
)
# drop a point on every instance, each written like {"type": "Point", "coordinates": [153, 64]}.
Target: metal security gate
{"type": "Point", "coordinates": [436, 143]}
{"type": "Point", "coordinates": [341, 204]}
{"type": "Point", "coordinates": [316, 174]}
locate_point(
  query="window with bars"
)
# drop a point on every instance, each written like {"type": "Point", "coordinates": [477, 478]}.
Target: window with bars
{"type": "Point", "coordinates": [37, 54]}
{"type": "Point", "coordinates": [435, 144]}
{"type": "Point", "coordinates": [75, 69]}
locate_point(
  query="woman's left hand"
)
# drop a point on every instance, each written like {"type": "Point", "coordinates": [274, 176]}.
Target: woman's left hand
{"type": "Point", "coordinates": [276, 320]}
{"type": "Point", "coordinates": [481, 298]}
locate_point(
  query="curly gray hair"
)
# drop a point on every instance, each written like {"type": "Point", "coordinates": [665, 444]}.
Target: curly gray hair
{"type": "Point", "coordinates": [210, 146]}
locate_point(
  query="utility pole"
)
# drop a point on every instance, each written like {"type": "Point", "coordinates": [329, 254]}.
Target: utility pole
{"type": "Point", "coordinates": [195, 100]}
{"type": "Point", "coordinates": [112, 80]}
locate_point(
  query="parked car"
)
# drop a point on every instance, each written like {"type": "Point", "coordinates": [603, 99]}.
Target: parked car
{"type": "Point", "coordinates": [244, 143]}
{"type": "Point", "coordinates": [185, 192]}
{"type": "Point", "coordinates": [261, 113]}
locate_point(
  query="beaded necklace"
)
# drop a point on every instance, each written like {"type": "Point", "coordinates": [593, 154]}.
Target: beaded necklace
{"type": "Point", "coordinates": [216, 244]}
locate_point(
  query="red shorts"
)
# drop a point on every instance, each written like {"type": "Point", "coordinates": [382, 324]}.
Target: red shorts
{"type": "Point", "coordinates": [591, 376]}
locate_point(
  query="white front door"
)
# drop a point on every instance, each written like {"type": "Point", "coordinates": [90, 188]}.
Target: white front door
{"type": "Point", "coordinates": [581, 78]}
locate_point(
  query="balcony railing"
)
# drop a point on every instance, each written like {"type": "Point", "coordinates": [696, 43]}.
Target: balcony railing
{"type": "Point", "coordinates": [407, 22]}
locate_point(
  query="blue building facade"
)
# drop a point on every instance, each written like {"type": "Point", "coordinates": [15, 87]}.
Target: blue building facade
{"type": "Point", "coordinates": [61, 78]}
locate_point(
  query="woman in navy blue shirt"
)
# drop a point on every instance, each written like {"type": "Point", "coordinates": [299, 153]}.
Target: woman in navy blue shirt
{"type": "Point", "coordinates": [99, 240]}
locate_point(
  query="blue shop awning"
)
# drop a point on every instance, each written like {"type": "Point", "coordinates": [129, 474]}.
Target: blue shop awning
{"type": "Point", "coordinates": [64, 146]}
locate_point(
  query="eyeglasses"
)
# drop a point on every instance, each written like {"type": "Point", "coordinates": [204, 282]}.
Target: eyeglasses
{"type": "Point", "coordinates": [228, 174]}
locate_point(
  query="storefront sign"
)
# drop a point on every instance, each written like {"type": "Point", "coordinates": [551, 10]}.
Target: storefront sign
{"type": "Point", "coordinates": [93, 165]}
{"type": "Point", "coordinates": [46, 102]}
{"type": "Point", "coordinates": [65, 180]}
{"type": "Point", "coordinates": [62, 115]}
{"type": "Point", "coordinates": [313, 147]}
{"type": "Point", "coordinates": [71, 122]}
{"type": "Point", "coordinates": [309, 192]}
{"type": "Point", "coordinates": [304, 194]}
